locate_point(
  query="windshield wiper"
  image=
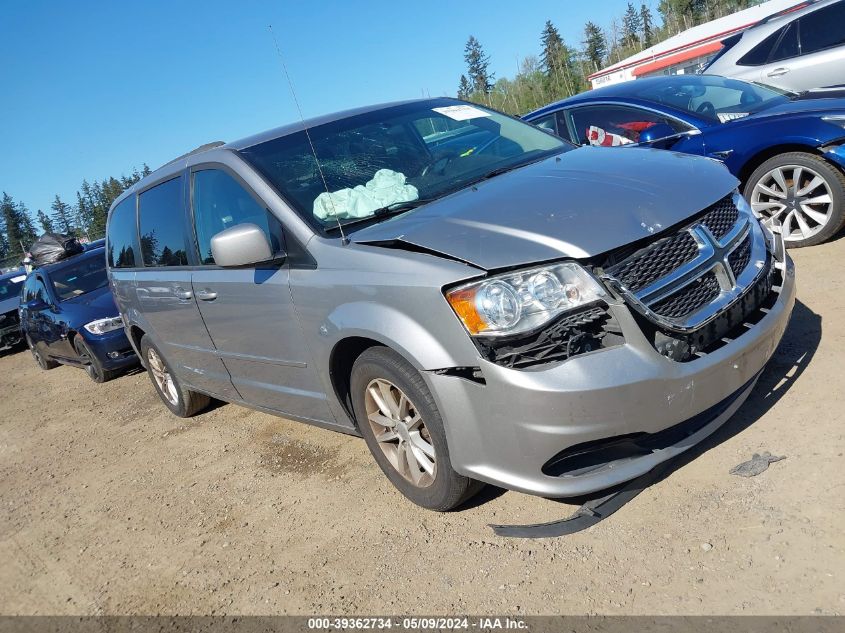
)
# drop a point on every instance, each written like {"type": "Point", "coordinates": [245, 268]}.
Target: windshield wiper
{"type": "Point", "coordinates": [386, 211]}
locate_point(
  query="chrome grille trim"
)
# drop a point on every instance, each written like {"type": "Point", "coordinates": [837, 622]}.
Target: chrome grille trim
{"type": "Point", "coordinates": [713, 258]}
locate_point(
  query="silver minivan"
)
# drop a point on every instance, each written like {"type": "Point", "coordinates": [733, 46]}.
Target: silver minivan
{"type": "Point", "coordinates": [801, 48]}
{"type": "Point", "coordinates": [478, 299]}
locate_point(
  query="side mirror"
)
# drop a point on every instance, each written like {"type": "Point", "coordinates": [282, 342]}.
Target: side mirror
{"type": "Point", "coordinates": [35, 305]}
{"type": "Point", "coordinates": [241, 245]}
{"type": "Point", "coordinates": [657, 132]}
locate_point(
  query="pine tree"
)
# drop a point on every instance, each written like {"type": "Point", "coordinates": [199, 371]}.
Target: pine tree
{"type": "Point", "coordinates": [478, 65]}
{"type": "Point", "coordinates": [45, 222]}
{"type": "Point", "coordinates": [559, 63]}
{"type": "Point", "coordinates": [552, 49]}
{"type": "Point", "coordinates": [62, 218]}
{"type": "Point", "coordinates": [595, 47]}
{"type": "Point", "coordinates": [631, 25]}
{"type": "Point", "coordinates": [647, 26]}
{"type": "Point", "coordinates": [464, 89]}
{"type": "Point", "coordinates": [19, 230]}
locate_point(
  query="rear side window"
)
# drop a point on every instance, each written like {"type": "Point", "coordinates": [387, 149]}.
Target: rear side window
{"type": "Point", "coordinates": [788, 45]}
{"type": "Point", "coordinates": [760, 54]}
{"type": "Point", "coordinates": [162, 225]}
{"type": "Point", "coordinates": [121, 241]}
{"type": "Point", "coordinates": [219, 203]}
{"type": "Point", "coordinates": [616, 125]}
{"type": "Point", "coordinates": [824, 28]}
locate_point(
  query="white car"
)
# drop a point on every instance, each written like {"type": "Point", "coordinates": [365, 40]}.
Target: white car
{"type": "Point", "coordinates": [798, 49]}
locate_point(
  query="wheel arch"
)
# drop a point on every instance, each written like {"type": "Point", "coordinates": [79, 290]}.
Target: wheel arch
{"type": "Point", "coordinates": [342, 358]}
{"type": "Point", "coordinates": [770, 152]}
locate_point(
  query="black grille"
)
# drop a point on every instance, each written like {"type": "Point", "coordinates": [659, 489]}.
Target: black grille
{"type": "Point", "coordinates": [689, 298]}
{"type": "Point", "coordinates": [644, 268]}
{"type": "Point", "coordinates": [9, 319]}
{"type": "Point", "coordinates": [740, 256]}
{"type": "Point", "coordinates": [721, 217]}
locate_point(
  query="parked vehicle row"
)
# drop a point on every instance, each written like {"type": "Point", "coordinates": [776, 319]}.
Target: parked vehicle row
{"type": "Point", "coordinates": [787, 150]}
{"type": "Point", "coordinates": [480, 300]}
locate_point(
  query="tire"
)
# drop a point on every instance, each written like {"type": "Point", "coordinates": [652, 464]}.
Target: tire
{"type": "Point", "coordinates": [182, 402]}
{"type": "Point", "coordinates": [42, 361]}
{"type": "Point", "coordinates": [803, 224]}
{"type": "Point", "coordinates": [94, 368]}
{"type": "Point", "coordinates": [428, 479]}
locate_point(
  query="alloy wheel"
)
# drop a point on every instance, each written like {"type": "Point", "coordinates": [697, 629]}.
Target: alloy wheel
{"type": "Point", "coordinates": [400, 432]}
{"type": "Point", "coordinates": [162, 377]}
{"type": "Point", "coordinates": [798, 196]}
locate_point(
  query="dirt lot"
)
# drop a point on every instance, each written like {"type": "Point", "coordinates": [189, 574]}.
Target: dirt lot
{"type": "Point", "coordinates": [113, 506]}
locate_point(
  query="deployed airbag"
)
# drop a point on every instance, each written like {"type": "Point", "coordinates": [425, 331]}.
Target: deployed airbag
{"type": "Point", "coordinates": [386, 187]}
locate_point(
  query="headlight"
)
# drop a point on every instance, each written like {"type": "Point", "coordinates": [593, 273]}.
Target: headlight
{"type": "Point", "coordinates": [518, 302]}
{"type": "Point", "coordinates": [101, 326]}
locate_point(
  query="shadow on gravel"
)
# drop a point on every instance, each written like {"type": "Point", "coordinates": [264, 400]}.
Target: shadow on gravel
{"type": "Point", "coordinates": [796, 350]}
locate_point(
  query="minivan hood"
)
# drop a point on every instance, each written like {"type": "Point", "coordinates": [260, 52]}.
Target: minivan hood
{"type": "Point", "coordinates": [578, 204]}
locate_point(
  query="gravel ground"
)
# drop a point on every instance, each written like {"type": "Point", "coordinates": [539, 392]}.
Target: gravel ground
{"type": "Point", "coordinates": [113, 506]}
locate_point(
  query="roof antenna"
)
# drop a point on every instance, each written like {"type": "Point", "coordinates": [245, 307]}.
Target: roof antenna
{"type": "Point", "coordinates": [343, 239]}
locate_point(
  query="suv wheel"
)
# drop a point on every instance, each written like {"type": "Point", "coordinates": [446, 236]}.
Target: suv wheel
{"type": "Point", "coordinates": [804, 192]}
{"type": "Point", "coordinates": [403, 429]}
{"type": "Point", "coordinates": [181, 402]}
{"type": "Point", "coordinates": [42, 361]}
{"type": "Point", "coordinates": [94, 369]}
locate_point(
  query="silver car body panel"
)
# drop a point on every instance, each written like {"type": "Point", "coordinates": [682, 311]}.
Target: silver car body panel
{"type": "Point", "coordinates": [274, 334]}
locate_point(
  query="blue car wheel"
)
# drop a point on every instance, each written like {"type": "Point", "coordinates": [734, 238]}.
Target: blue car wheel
{"type": "Point", "coordinates": [804, 192]}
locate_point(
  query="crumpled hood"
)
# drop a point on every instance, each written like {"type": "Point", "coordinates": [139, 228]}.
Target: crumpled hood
{"type": "Point", "coordinates": [579, 204]}
{"type": "Point", "coordinates": [97, 304]}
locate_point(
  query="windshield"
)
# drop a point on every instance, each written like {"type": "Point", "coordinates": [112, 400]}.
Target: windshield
{"type": "Point", "coordinates": [714, 98]}
{"type": "Point", "coordinates": [79, 278]}
{"type": "Point", "coordinates": [11, 287]}
{"type": "Point", "coordinates": [418, 151]}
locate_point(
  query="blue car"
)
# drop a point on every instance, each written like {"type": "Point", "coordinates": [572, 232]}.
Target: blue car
{"type": "Point", "coordinates": [788, 150]}
{"type": "Point", "coordinates": [68, 316]}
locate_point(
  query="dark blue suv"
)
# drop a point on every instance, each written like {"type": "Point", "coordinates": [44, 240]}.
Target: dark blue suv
{"type": "Point", "coordinates": [68, 316]}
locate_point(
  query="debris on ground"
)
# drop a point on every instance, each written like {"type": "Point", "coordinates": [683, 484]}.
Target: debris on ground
{"type": "Point", "coordinates": [756, 465]}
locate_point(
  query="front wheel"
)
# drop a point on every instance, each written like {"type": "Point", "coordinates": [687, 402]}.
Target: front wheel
{"type": "Point", "coordinates": [182, 402]}
{"type": "Point", "coordinates": [403, 429]}
{"type": "Point", "coordinates": [93, 368]}
{"type": "Point", "coordinates": [805, 193]}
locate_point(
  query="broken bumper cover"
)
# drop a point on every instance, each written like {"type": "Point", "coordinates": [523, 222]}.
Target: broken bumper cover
{"type": "Point", "coordinates": [512, 430]}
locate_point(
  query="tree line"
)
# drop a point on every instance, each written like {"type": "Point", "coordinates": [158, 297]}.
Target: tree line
{"type": "Point", "coordinates": [561, 69]}
{"type": "Point", "coordinates": [85, 217]}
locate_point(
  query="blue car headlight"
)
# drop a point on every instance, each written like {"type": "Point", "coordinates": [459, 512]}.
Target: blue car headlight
{"type": "Point", "coordinates": [102, 326]}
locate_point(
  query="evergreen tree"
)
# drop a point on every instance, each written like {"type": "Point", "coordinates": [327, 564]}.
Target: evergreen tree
{"type": "Point", "coordinates": [632, 24]}
{"type": "Point", "coordinates": [595, 47]}
{"type": "Point", "coordinates": [647, 26]}
{"type": "Point", "coordinates": [478, 64]}
{"type": "Point", "coordinates": [45, 222]}
{"type": "Point", "coordinates": [464, 89]}
{"type": "Point", "coordinates": [62, 218]}
{"type": "Point", "coordinates": [19, 230]}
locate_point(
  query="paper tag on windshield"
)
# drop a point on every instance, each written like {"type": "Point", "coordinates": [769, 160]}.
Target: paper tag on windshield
{"type": "Point", "coordinates": [17, 279]}
{"type": "Point", "coordinates": [461, 112]}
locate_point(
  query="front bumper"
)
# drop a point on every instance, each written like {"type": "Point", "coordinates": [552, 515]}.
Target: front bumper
{"type": "Point", "coordinates": [503, 432]}
{"type": "Point", "coordinates": [10, 336]}
{"type": "Point", "coordinates": [112, 349]}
